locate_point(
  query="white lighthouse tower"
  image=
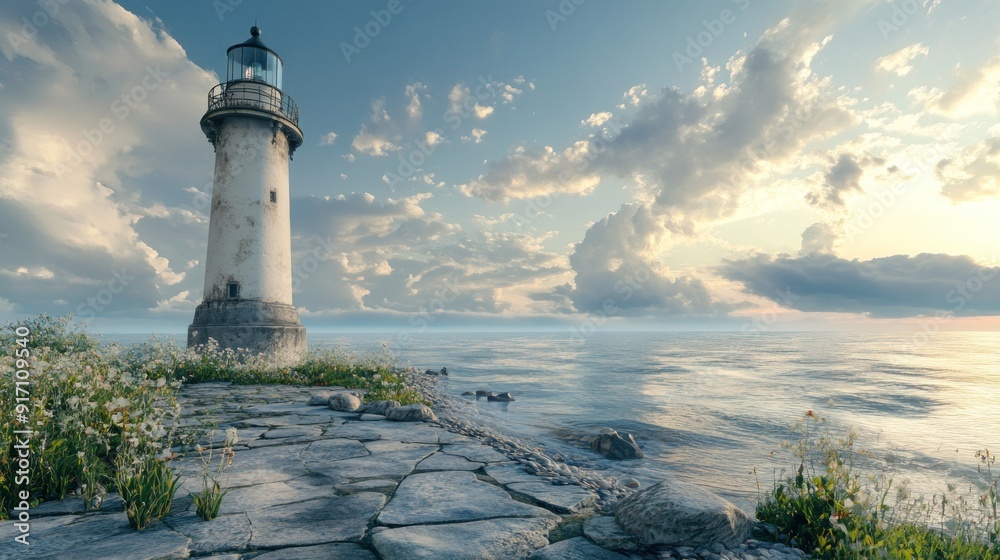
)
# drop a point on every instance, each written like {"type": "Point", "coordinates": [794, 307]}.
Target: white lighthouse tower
{"type": "Point", "coordinates": [254, 128]}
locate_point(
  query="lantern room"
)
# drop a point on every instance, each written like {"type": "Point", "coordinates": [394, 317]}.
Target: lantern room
{"type": "Point", "coordinates": [251, 60]}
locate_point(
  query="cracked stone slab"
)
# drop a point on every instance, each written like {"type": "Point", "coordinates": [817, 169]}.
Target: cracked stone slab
{"type": "Point", "coordinates": [262, 465]}
{"type": "Point", "coordinates": [99, 537]}
{"type": "Point", "coordinates": [225, 532]}
{"type": "Point", "coordinates": [296, 432]}
{"type": "Point", "coordinates": [494, 539]}
{"type": "Point", "coordinates": [373, 485]}
{"type": "Point", "coordinates": [320, 521]}
{"type": "Point", "coordinates": [574, 549]}
{"type": "Point", "coordinates": [475, 451]}
{"type": "Point", "coordinates": [506, 474]}
{"type": "Point", "coordinates": [328, 450]}
{"type": "Point", "coordinates": [444, 462]}
{"type": "Point", "coordinates": [606, 532]}
{"type": "Point", "coordinates": [392, 460]}
{"type": "Point", "coordinates": [393, 431]}
{"type": "Point", "coordinates": [567, 498]}
{"type": "Point", "coordinates": [339, 551]}
{"type": "Point", "coordinates": [451, 496]}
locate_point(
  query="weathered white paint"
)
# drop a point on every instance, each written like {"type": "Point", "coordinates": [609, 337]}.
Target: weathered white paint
{"type": "Point", "coordinates": [249, 239]}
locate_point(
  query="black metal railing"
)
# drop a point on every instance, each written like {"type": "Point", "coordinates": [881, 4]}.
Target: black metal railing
{"type": "Point", "coordinates": [253, 95]}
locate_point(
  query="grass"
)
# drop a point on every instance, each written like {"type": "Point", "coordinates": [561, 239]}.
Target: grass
{"type": "Point", "coordinates": [830, 509]}
{"type": "Point", "coordinates": [103, 415]}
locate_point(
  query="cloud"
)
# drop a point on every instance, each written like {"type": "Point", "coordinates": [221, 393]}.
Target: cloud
{"type": "Point", "coordinates": [432, 138]}
{"type": "Point", "coordinates": [973, 173]}
{"type": "Point", "coordinates": [617, 271]}
{"type": "Point", "coordinates": [896, 286]}
{"type": "Point", "coordinates": [475, 136]}
{"type": "Point", "coordinates": [597, 119]}
{"type": "Point", "coordinates": [900, 62]}
{"type": "Point", "coordinates": [328, 139]}
{"type": "Point", "coordinates": [527, 174]}
{"type": "Point", "coordinates": [80, 97]}
{"type": "Point", "coordinates": [842, 178]}
{"type": "Point", "coordinates": [414, 108]}
{"type": "Point", "coordinates": [818, 238]}
{"type": "Point", "coordinates": [973, 91]}
{"type": "Point", "coordinates": [378, 135]}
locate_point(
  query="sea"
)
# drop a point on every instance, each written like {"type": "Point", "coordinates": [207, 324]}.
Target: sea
{"type": "Point", "coordinates": [720, 409]}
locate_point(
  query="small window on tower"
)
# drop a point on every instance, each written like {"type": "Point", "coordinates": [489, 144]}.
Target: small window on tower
{"type": "Point", "coordinates": [234, 290]}
{"type": "Point", "coordinates": [274, 196]}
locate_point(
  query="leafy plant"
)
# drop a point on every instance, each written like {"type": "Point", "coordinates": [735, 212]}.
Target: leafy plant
{"type": "Point", "coordinates": [148, 489]}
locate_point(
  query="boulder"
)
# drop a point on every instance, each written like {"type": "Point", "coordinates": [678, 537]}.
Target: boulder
{"type": "Point", "coordinates": [321, 399]}
{"type": "Point", "coordinates": [502, 397]}
{"type": "Point", "coordinates": [411, 413]}
{"type": "Point", "coordinates": [377, 407]}
{"type": "Point", "coordinates": [674, 513]}
{"type": "Point", "coordinates": [483, 393]}
{"type": "Point", "coordinates": [444, 371]}
{"type": "Point", "coordinates": [616, 446]}
{"type": "Point", "coordinates": [344, 402]}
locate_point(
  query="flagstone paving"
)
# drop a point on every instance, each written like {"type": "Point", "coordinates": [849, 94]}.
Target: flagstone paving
{"type": "Point", "coordinates": [308, 482]}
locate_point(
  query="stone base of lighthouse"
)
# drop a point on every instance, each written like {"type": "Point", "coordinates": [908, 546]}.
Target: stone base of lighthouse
{"type": "Point", "coordinates": [268, 328]}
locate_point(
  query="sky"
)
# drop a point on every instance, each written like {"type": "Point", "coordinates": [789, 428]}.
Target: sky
{"type": "Point", "coordinates": [574, 165]}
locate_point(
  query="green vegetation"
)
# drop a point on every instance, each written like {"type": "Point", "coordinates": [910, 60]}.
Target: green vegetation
{"type": "Point", "coordinates": [832, 511]}
{"type": "Point", "coordinates": [104, 415]}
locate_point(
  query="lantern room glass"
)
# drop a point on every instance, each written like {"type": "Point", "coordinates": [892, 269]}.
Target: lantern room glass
{"type": "Point", "coordinates": [254, 64]}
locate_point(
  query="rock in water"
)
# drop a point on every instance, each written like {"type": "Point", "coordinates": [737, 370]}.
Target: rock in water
{"type": "Point", "coordinates": [483, 393]}
{"type": "Point", "coordinates": [377, 407]}
{"type": "Point", "coordinates": [444, 371]}
{"type": "Point", "coordinates": [502, 397]}
{"type": "Point", "coordinates": [616, 446]}
{"type": "Point", "coordinates": [674, 513]}
{"type": "Point", "coordinates": [344, 402]}
{"type": "Point", "coordinates": [411, 413]}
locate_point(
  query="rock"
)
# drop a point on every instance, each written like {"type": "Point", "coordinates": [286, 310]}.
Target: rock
{"type": "Point", "coordinates": [494, 539]}
{"type": "Point", "coordinates": [445, 462]}
{"type": "Point", "coordinates": [468, 393]}
{"type": "Point", "coordinates": [343, 518]}
{"type": "Point", "coordinates": [449, 497]}
{"type": "Point", "coordinates": [561, 499]}
{"type": "Point", "coordinates": [344, 402]}
{"type": "Point", "coordinates": [574, 549]}
{"type": "Point", "coordinates": [502, 397]}
{"type": "Point", "coordinates": [340, 551]}
{"type": "Point", "coordinates": [411, 413]}
{"type": "Point", "coordinates": [605, 531]}
{"type": "Point", "coordinates": [629, 482]}
{"type": "Point", "coordinates": [319, 400]}
{"type": "Point", "coordinates": [616, 446]}
{"type": "Point", "coordinates": [673, 512]}
{"type": "Point", "coordinates": [377, 407]}
{"type": "Point", "coordinates": [483, 393]}
{"type": "Point", "coordinates": [430, 372]}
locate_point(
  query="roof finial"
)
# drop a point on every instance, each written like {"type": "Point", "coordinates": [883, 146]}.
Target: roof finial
{"type": "Point", "coordinates": [255, 31]}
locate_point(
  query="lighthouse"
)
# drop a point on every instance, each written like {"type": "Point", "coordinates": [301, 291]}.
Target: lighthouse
{"type": "Point", "coordinates": [254, 127]}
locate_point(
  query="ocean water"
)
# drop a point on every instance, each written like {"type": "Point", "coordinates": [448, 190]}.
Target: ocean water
{"type": "Point", "coordinates": [712, 408]}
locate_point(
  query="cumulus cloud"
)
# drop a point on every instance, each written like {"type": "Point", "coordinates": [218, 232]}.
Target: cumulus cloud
{"type": "Point", "coordinates": [896, 286]}
{"type": "Point", "coordinates": [475, 136]}
{"type": "Point", "coordinates": [900, 62]}
{"type": "Point", "coordinates": [842, 178]}
{"type": "Point", "coordinates": [328, 139]}
{"type": "Point", "coordinates": [818, 238]}
{"type": "Point", "coordinates": [378, 135]}
{"type": "Point", "coordinates": [414, 108]}
{"type": "Point", "coordinates": [597, 119]}
{"type": "Point", "coordinates": [973, 91]}
{"type": "Point", "coordinates": [80, 97]}
{"type": "Point", "coordinates": [974, 173]}
{"type": "Point", "coordinates": [617, 270]}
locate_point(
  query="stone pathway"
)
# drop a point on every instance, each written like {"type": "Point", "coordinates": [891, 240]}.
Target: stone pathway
{"type": "Point", "coordinates": [308, 482]}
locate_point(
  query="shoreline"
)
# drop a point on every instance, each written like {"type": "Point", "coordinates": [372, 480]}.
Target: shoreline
{"type": "Point", "coordinates": [309, 482]}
